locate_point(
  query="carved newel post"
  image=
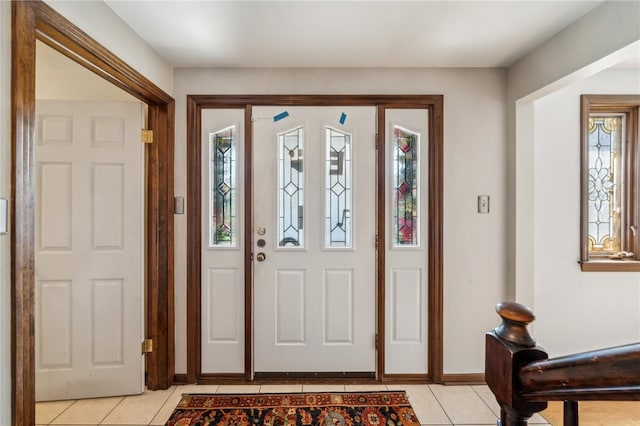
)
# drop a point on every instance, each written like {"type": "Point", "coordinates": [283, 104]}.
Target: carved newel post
{"type": "Point", "coordinates": [507, 348]}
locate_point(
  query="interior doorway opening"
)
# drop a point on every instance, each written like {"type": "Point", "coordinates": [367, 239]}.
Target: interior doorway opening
{"type": "Point", "coordinates": [33, 21]}
{"type": "Point", "coordinates": [89, 233]}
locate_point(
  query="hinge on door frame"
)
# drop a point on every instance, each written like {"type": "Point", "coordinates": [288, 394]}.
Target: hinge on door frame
{"type": "Point", "coordinates": [376, 241]}
{"type": "Point", "coordinates": [376, 341]}
{"type": "Point", "coordinates": [146, 136]}
{"type": "Point", "coordinates": [377, 144]}
{"type": "Point", "coordinates": [147, 346]}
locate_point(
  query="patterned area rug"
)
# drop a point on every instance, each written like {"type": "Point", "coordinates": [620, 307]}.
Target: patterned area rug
{"type": "Point", "coordinates": [289, 409]}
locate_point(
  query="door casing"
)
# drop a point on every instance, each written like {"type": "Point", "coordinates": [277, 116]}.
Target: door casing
{"type": "Point", "coordinates": [31, 21]}
{"type": "Point", "coordinates": [434, 104]}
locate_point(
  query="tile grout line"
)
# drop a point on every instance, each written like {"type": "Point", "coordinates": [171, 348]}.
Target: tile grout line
{"type": "Point", "coordinates": [175, 389]}
{"type": "Point", "coordinates": [485, 403]}
{"type": "Point", "coordinates": [111, 411]}
{"type": "Point", "coordinates": [498, 415]}
{"type": "Point", "coordinates": [61, 412]}
{"type": "Point", "coordinates": [440, 404]}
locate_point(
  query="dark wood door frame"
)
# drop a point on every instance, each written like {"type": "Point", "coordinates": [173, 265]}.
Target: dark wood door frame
{"type": "Point", "coordinates": [31, 21]}
{"type": "Point", "coordinates": [433, 103]}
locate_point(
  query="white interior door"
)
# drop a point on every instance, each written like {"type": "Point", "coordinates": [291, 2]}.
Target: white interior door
{"type": "Point", "coordinates": [314, 239]}
{"type": "Point", "coordinates": [89, 260]}
{"type": "Point", "coordinates": [222, 292]}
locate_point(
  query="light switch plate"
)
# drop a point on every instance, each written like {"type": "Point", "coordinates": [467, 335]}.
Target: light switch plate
{"type": "Point", "coordinates": [178, 205]}
{"type": "Point", "coordinates": [483, 204]}
{"type": "Point", "coordinates": [4, 216]}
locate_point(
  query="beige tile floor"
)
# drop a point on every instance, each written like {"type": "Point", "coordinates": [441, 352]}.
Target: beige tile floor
{"type": "Point", "coordinates": [433, 404]}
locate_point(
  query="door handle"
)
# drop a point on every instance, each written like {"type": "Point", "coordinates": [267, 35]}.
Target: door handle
{"type": "Point", "coordinates": [261, 257]}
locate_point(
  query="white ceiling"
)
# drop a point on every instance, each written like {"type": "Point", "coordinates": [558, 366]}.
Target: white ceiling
{"type": "Point", "coordinates": [428, 33]}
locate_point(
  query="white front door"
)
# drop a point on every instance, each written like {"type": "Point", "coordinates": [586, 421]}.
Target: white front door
{"type": "Point", "coordinates": [314, 239]}
{"type": "Point", "coordinates": [89, 262]}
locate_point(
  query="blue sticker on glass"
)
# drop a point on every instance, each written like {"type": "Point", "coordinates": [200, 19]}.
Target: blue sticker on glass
{"type": "Point", "coordinates": [343, 118]}
{"type": "Point", "coordinates": [280, 116]}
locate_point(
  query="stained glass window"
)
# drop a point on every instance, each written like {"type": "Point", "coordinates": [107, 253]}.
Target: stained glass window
{"type": "Point", "coordinates": [405, 187]}
{"type": "Point", "coordinates": [337, 188]}
{"type": "Point", "coordinates": [291, 188]}
{"type": "Point", "coordinates": [605, 182]}
{"type": "Point", "coordinates": [223, 187]}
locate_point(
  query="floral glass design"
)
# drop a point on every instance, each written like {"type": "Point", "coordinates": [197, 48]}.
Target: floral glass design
{"type": "Point", "coordinates": [223, 187]}
{"type": "Point", "coordinates": [605, 182]}
{"type": "Point", "coordinates": [291, 188]}
{"type": "Point", "coordinates": [405, 206]}
{"type": "Point", "coordinates": [337, 188]}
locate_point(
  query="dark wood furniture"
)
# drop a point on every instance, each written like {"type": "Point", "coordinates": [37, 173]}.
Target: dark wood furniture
{"type": "Point", "coordinates": [523, 379]}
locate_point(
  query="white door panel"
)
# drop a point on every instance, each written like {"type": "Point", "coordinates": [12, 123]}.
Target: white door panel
{"type": "Point", "coordinates": [314, 208]}
{"type": "Point", "coordinates": [89, 250]}
{"type": "Point", "coordinates": [406, 251]}
{"type": "Point", "coordinates": [222, 274]}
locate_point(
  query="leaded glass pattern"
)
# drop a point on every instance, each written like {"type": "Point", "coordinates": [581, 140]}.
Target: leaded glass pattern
{"type": "Point", "coordinates": [223, 204]}
{"type": "Point", "coordinates": [337, 188]}
{"type": "Point", "coordinates": [405, 187]}
{"type": "Point", "coordinates": [291, 188]}
{"type": "Point", "coordinates": [605, 182]}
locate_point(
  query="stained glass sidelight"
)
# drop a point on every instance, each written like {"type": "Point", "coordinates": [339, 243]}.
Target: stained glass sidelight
{"type": "Point", "coordinates": [605, 182]}
{"type": "Point", "coordinates": [405, 187]}
{"type": "Point", "coordinates": [337, 188]}
{"type": "Point", "coordinates": [223, 187]}
{"type": "Point", "coordinates": [291, 188]}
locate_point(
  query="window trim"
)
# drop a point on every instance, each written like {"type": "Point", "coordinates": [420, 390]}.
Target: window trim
{"type": "Point", "coordinates": [630, 106]}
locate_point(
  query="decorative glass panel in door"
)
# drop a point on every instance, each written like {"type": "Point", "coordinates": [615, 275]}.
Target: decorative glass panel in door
{"type": "Point", "coordinates": [405, 148]}
{"type": "Point", "coordinates": [223, 187]}
{"type": "Point", "coordinates": [338, 188]}
{"type": "Point", "coordinates": [291, 188]}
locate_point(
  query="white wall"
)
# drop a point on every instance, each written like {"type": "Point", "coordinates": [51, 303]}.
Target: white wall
{"type": "Point", "coordinates": [474, 164]}
{"type": "Point", "coordinates": [577, 311]}
{"type": "Point", "coordinates": [607, 28]}
{"type": "Point", "coordinates": [606, 35]}
{"type": "Point", "coordinates": [5, 178]}
{"type": "Point", "coordinates": [60, 78]}
{"type": "Point", "coordinates": [100, 22]}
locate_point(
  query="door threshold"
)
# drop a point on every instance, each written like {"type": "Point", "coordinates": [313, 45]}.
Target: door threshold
{"type": "Point", "coordinates": [284, 375]}
{"type": "Point", "coordinates": [338, 378]}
